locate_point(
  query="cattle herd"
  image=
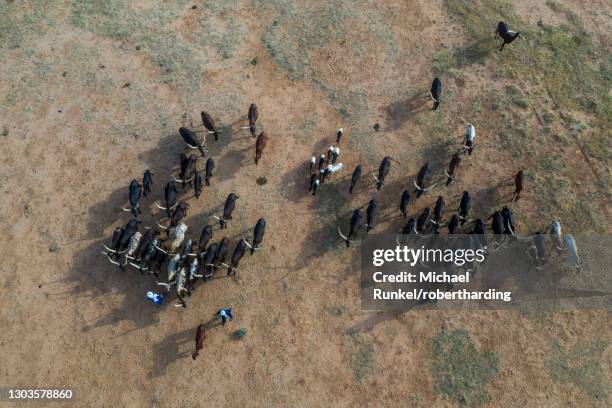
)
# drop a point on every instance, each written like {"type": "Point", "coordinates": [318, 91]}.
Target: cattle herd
{"type": "Point", "coordinates": [186, 261]}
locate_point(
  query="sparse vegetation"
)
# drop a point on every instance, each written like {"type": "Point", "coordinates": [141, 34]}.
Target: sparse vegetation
{"type": "Point", "coordinates": [461, 371]}
{"type": "Point", "coordinates": [583, 366]}
{"type": "Point", "coordinates": [361, 357]}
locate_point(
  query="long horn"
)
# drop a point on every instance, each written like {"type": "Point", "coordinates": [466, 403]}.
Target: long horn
{"type": "Point", "coordinates": [111, 261]}
{"type": "Point", "coordinates": [427, 189]}
{"type": "Point", "coordinates": [160, 207]}
{"type": "Point", "coordinates": [158, 248]}
{"type": "Point", "coordinates": [190, 146]}
{"type": "Point", "coordinates": [245, 127]}
{"type": "Point", "coordinates": [448, 175]}
{"type": "Point", "coordinates": [247, 242]}
{"type": "Point", "coordinates": [375, 178]}
{"type": "Point", "coordinates": [135, 266]}
{"type": "Point", "coordinates": [126, 209]}
{"type": "Point", "coordinates": [108, 249]}
{"type": "Point", "coordinates": [340, 232]}
{"type": "Point", "coordinates": [224, 264]}
{"type": "Point", "coordinates": [416, 185]}
{"type": "Point", "coordinates": [220, 219]}
{"type": "Point", "coordinates": [397, 239]}
{"type": "Point", "coordinates": [161, 226]}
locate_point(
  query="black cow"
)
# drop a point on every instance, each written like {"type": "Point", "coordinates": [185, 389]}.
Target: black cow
{"type": "Point", "coordinates": [508, 221]}
{"type": "Point", "coordinates": [314, 183]}
{"type": "Point", "coordinates": [355, 178]}
{"type": "Point", "coordinates": [404, 201]}
{"type": "Point", "coordinates": [497, 223]}
{"type": "Point", "coordinates": [453, 224]}
{"type": "Point", "coordinates": [321, 162]}
{"type": "Point", "coordinates": [507, 35]}
{"type": "Point", "coordinates": [452, 167]}
{"type": "Point", "coordinates": [170, 194]}
{"type": "Point", "coordinates": [222, 249]}
{"type": "Point", "coordinates": [205, 237]}
{"type": "Point", "coordinates": [423, 221]}
{"type": "Point", "coordinates": [539, 246]}
{"type": "Point", "coordinates": [197, 184]}
{"type": "Point", "coordinates": [435, 92]}
{"type": "Point", "coordinates": [258, 234]}
{"type": "Point", "coordinates": [410, 227]}
{"type": "Point", "coordinates": [228, 208]}
{"type": "Point", "coordinates": [356, 220]}
{"type": "Point", "coordinates": [191, 139]}
{"type": "Point", "coordinates": [371, 214]}
{"type": "Point", "coordinates": [464, 207]}
{"type": "Point", "coordinates": [134, 196]}
{"type": "Point", "coordinates": [236, 257]}
{"type": "Point", "coordinates": [179, 213]}
{"type": "Point", "coordinates": [126, 235]}
{"type": "Point", "coordinates": [383, 171]}
{"type": "Point", "coordinates": [438, 213]}
{"type": "Point", "coordinates": [209, 261]}
{"type": "Point", "coordinates": [147, 181]}
{"type": "Point", "coordinates": [188, 169]}
{"type": "Point", "coordinates": [480, 231]}
{"type": "Point", "coordinates": [422, 179]}
{"type": "Point", "coordinates": [210, 166]}
{"type": "Point", "coordinates": [252, 115]}
{"type": "Point", "coordinates": [209, 124]}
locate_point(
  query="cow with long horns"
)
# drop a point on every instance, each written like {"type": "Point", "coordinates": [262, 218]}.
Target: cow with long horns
{"type": "Point", "coordinates": [236, 257]}
{"type": "Point", "coordinates": [134, 197]}
{"type": "Point", "coordinates": [383, 171]}
{"type": "Point", "coordinates": [452, 167]}
{"type": "Point", "coordinates": [228, 208]}
{"type": "Point", "coordinates": [356, 220]}
{"type": "Point", "coordinates": [210, 167]}
{"type": "Point", "coordinates": [470, 135]}
{"type": "Point", "coordinates": [464, 207]}
{"type": "Point", "coordinates": [205, 237]}
{"type": "Point", "coordinates": [221, 254]}
{"type": "Point", "coordinates": [435, 92]}
{"type": "Point", "coordinates": [507, 36]}
{"type": "Point", "coordinates": [422, 180]}
{"type": "Point", "coordinates": [170, 198]}
{"type": "Point", "coordinates": [147, 181]}
{"type": "Point", "coordinates": [508, 219]}
{"type": "Point", "coordinates": [191, 140]}
{"type": "Point", "coordinates": [209, 124]}
{"type": "Point", "coordinates": [423, 221]}
{"type": "Point", "coordinates": [371, 214]}
{"type": "Point", "coordinates": [258, 235]}
{"type": "Point", "coordinates": [197, 185]}
{"type": "Point", "coordinates": [178, 214]}
{"type": "Point", "coordinates": [187, 169]}
{"type": "Point", "coordinates": [438, 213]}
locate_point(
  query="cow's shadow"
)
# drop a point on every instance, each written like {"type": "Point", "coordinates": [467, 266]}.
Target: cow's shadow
{"type": "Point", "coordinates": [400, 112]}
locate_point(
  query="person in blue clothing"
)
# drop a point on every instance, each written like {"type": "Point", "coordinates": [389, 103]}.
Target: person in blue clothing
{"type": "Point", "coordinates": [156, 298]}
{"type": "Point", "coordinates": [224, 314]}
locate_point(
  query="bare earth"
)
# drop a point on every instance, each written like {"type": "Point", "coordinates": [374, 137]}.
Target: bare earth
{"type": "Point", "coordinates": [92, 95]}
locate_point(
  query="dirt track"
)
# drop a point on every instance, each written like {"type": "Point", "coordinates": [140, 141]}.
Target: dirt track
{"type": "Point", "coordinates": [89, 103]}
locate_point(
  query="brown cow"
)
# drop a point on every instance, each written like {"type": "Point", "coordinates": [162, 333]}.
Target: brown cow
{"type": "Point", "coordinates": [518, 185]}
{"type": "Point", "coordinates": [262, 139]}
{"type": "Point", "coordinates": [199, 340]}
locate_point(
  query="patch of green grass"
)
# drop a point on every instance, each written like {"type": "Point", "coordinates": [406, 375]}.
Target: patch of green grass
{"type": "Point", "coordinates": [20, 21]}
{"type": "Point", "coordinates": [337, 310]}
{"type": "Point", "coordinates": [566, 60]}
{"type": "Point", "coordinates": [361, 357]}
{"type": "Point", "coordinates": [583, 366]}
{"type": "Point", "coordinates": [239, 334]}
{"type": "Point", "coordinates": [461, 371]}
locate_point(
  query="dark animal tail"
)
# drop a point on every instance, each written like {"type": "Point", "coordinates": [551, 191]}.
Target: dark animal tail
{"type": "Point", "coordinates": [448, 181]}
{"type": "Point", "coordinates": [378, 185]}
{"type": "Point", "coordinates": [419, 192]}
{"type": "Point", "coordinates": [201, 149]}
{"type": "Point", "coordinates": [216, 136]}
{"type": "Point", "coordinates": [348, 243]}
{"type": "Point", "coordinates": [252, 250]}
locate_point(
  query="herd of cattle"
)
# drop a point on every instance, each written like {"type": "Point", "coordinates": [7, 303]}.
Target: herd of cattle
{"type": "Point", "coordinates": [186, 260]}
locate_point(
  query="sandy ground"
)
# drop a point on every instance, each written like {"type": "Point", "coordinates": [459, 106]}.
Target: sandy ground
{"type": "Point", "coordinates": [84, 113]}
